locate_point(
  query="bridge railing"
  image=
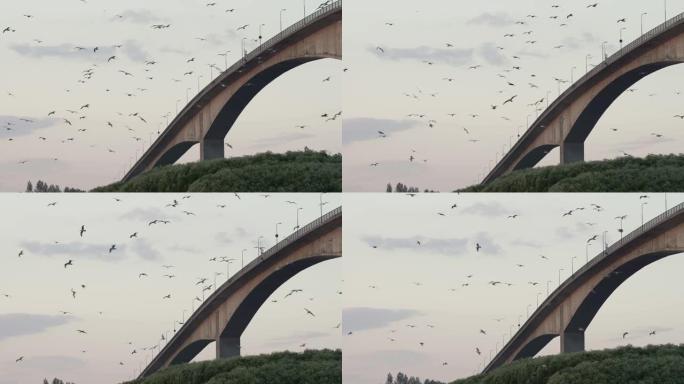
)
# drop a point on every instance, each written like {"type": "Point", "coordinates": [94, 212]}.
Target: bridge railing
{"type": "Point", "coordinates": [618, 55]}
{"type": "Point", "coordinates": [258, 51]}
{"type": "Point", "coordinates": [642, 229]}
{"type": "Point", "coordinates": [298, 234]}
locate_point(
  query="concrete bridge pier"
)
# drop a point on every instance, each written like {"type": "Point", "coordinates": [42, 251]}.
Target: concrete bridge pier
{"type": "Point", "coordinates": [572, 342]}
{"type": "Point", "coordinates": [227, 347]}
{"type": "Point", "coordinates": [211, 149]}
{"type": "Point", "coordinates": [571, 153]}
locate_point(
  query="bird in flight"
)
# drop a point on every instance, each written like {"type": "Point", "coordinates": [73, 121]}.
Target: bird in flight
{"type": "Point", "coordinates": [82, 230]}
{"type": "Point", "coordinates": [68, 263]}
{"type": "Point", "coordinates": [309, 312]}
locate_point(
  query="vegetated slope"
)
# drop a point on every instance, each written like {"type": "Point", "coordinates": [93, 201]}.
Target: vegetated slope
{"type": "Point", "coordinates": [307, 171]}
{"type": "Point", "coordinates": [654, 173]}
{"type": "Point", "coordinates": [626, 365]}
{"type": "Point", "coordinates": [309, 367]}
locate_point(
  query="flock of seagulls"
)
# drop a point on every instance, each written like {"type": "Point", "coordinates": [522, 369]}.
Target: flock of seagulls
{"type": "Point", "coordinates": [519, 87]}
{"type": "Point", "coordinates": [197, 288]}
{"type": "Point", "coordinates": [489, 284]}
{"type": "Point", "coordinates": [125, 107]}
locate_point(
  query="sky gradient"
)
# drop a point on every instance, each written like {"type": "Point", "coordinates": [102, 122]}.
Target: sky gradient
{"type": "Point", "coordinates": [44, 70]}
{"type": "Point", "coordinates": [132, 309]}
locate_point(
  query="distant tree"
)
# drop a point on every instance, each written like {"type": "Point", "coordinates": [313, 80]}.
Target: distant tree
{"type": "Point", "coordinates": [43, 187]}
{"type": "Point", "coordinates": [405, 379]}
{"type": "Point", "coordinates": [389, 188]}
{"type": "Point", "coordinates": [390, 379]}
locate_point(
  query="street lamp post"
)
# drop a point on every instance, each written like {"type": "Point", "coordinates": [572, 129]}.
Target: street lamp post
{"type": "Point", "coordinates": [642, 212]}
{"type": "Point", "coordinates": [243, 258]}
{"type": "Point", "coordinates": [572, 74]}
{"type": "Point", "coordinates": [547, 98]}
{"type": "Point", "coordinates": [260, 35]}
{"type": "Point", "coordinates": [586, 62]}
{"type": "Point", "coordinates": [298, 209]}
{"type": "Point", "coordinates": [547, 287]}
{"type": "Point", "coordinates": [642, 22]}
{"type": "Point", "coordinates": [281, 18]}
{"type": "Point", "coordinates": [559, 275]}
{"type": "Point", "coordinates": [276, 234]}
{"type": "Point", "coordinates": [538, 293]}
{"type": "Point", "coordinates": [621, 29]}
{"type": "Point", "coordinates": [603, 50]}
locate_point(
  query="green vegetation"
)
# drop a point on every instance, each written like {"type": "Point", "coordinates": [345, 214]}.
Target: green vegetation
{"type": "Point", "coordinates": [309, 367]}
{"type": "Point", "coordinates": [405, 379]}
{"type": "Point", "coordinates": [43, 187]}
{"type": "Point", "coordinates": [655, 173]}
{"type": "Point", "coordinates": [306, 171]}
{"type": "Point", "coordinates": [626, 365]}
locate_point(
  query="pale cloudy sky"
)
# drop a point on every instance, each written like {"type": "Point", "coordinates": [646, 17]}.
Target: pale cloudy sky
{"type": "Point", "coordinates": [42, 69]}
{"type": "Point", "coordinates": [39, 287]}
{"type": "Point", "coordinates": [382, 298]}
{"type": "Point", "coordinates": [376, 85]}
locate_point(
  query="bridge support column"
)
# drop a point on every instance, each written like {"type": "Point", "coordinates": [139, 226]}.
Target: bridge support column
{"type": "Point", "coordinates": [211, 149]}
{"type": "Point", "coordinates": [227, 347]}
{"type": "Point", "coordinates": [571, 153]}
{"type": "Point", "coordinates": [572, 342]}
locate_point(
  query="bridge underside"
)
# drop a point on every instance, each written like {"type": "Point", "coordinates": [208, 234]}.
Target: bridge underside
{"type": "Point", "coordinates": [212, 146]}
{"type": "Point", "coordinates": [175, 153]}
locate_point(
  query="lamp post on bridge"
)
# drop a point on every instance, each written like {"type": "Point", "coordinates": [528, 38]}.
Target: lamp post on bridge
{"type": "Point", "coordinates": [586, 63]}
{"type": "Point", "coordinates": [604, 52]}
{"type": "Point", "coordinates": [281, 18]}
{"type": "Point", "coordinates": [298, 209]}
{"type": "Point", "coordinates": [572, 74]}
{"type": "Point", "coordinates": [243, 258]}
{"type": "Point", "coordinates": [621, 29]}
{"type": "Point", "coordinates": [547, 98]}
{"type": "Point", "coordinates": [187, 95]}
{"type": "Point", "coordinates": [605, 242]}
{"type": "Point", "coordinates": [538, 293]}
{"type": "Point", "coordinates": [547, 287]}
{"type": "Point", "coordinates": [260, 35]}
{"type": "Point", "coordinates": [528, 310]}
{"type": "Point", "coordinates": [559, 275]}
{"type": "Point", "coordinates": [321, 203]}
{"type": "Point", "coordinates": [642, 212]}
{"type": "Point", "coordinates": [244, 49]}
{"type": "Point", "coordinates": [572, 265]}
{"type": "Point", "coordinates": [642, 22]}
{"type": "Point", "coordinates": [276, 234]}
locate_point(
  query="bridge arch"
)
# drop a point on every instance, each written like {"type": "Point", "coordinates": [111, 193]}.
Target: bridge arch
{"type": "Point", "coordinates": [570, 309]}
{"type": "Point", "coordinates": [175, 152]}
{"type": "Point", "coordinates": [224, 315]}
{"type": "Point", "coordinates": [210, 115]}
{"type": "Point", "coordinates": [569, 119]}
